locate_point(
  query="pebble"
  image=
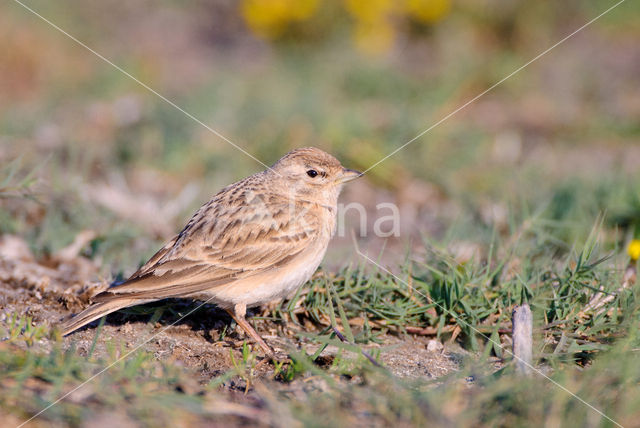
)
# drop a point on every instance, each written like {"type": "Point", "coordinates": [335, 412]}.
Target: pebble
{"type": "Point", "coordinates": [434, 346]}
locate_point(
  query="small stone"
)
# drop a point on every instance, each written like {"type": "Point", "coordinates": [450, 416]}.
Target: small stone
{"type": "Point", "coordinates": [434, 346]}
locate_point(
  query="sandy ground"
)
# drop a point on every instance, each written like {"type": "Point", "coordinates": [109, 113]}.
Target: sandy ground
{"type": "Point", "coordinates": [51, 290]}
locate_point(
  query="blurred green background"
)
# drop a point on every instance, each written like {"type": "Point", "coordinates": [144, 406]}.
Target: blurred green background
{"type": "Point", "coordinates": [531, 193]}
{"type": "Point", "coordinates": [92, 149]}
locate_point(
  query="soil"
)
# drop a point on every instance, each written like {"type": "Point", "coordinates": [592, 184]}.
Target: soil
{"type": "Point", "coordinates": [53, 289]}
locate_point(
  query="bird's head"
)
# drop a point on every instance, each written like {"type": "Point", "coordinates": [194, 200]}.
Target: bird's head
{"type": "Point", "coordinates": [313, 174]}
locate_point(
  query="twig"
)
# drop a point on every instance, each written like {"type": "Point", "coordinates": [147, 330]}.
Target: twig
{"type": "Point", "coordinates": [522, 338]}
{"type": "Point", "coordinates": [432, 331]}
{"type": "Point", "coordinates": [365, 353]}
{"type": "Point", "coordinates": [597, 303]}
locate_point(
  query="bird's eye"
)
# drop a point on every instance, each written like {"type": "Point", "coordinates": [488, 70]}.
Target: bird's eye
{"type": "Point", "coordinates": [312, 173]}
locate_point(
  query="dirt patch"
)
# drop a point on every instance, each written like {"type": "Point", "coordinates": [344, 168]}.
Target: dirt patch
{"type": "Point", "coordinates": [51, 290]}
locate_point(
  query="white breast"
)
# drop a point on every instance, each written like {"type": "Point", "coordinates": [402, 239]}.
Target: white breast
{"type": "Point", "coordinates": [272, 285]}
{"type": "Point", "coordinates": [295, 278]}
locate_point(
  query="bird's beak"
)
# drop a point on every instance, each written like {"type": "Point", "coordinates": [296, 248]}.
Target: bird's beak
{"type": "Point", "coordinates": [348, 175]}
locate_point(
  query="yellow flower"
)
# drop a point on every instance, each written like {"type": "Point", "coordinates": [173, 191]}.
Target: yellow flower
{"type": "Point", "coordinates": [269, 18]}
{"type": "Point", "coordinates": [634, 249]}
{"type": "Point", "coordinates": [370, 11]}
{"type": "Point", "coordinates": [375, 38]}
{"type": "Point", "coordinates": [373, 33]}
{"type": "Point", "coordinates": [428, 11]}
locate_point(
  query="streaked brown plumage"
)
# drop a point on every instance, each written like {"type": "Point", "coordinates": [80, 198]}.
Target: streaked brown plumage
{"type": "Point", "coordinates": [257, 240]}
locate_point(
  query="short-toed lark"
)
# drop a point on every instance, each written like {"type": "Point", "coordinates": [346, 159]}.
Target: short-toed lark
{"type": "Point", "coordinates": [257, 240]}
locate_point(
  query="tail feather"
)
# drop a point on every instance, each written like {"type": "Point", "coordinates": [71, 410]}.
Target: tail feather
{"type": "Point", "coordinates": [92, 313]}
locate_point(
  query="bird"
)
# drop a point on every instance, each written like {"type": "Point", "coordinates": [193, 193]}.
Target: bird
{"type": "Point", "coordinates": [255, 241]}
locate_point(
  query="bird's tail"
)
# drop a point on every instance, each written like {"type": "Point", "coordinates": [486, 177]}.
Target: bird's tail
{"type": "Point", "coordinates": [92, 313]}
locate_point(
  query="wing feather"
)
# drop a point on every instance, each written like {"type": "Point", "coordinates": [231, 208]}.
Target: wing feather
{"type": "Point", "coordinates": [223, 243]}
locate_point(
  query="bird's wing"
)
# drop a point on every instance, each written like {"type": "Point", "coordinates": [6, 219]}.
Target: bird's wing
{"type": "Point", "coordinates": [223, 243]}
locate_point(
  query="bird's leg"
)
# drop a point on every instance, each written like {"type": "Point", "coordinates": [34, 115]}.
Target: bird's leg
{"type": "Point", "coordinates": [238, 314]}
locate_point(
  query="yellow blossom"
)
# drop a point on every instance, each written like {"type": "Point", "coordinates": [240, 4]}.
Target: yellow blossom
{"type": "Point", "coordinates": [370, 11]}
{"type": "Point", "coordinates": [428, 11]}
{"type": "Point", "coordinates": [634, 249]}
{"type": "Point", "coordinates": [374, 38]}
{"type": "Point", "coordinates": [269, 18]}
